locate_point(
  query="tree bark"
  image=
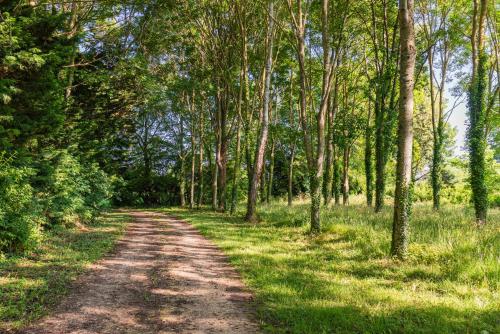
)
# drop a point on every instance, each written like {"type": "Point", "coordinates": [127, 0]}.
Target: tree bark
{"type": "Point", "coordinates": [237, 161]}
{"type": "Point", "coordinates": [182, 157]}
{"type": "Point", "coordinates": [345, 175]}
{"type": "Point", "coordinates": [269, 193]}
{"type": "Point", "coordinates": [328, 181]}
{"type": "Point", "coordinates": [193, 154]}
{"type": "Point", "coordinates": [290, 176]}
{"type": "Point", "coordinates": [199, 201]}
{"type": "Point", "coordinates": [336, 177]}
{"type": "Point", "coordinates": [251, 214]}
{"type": "Point", "coordinates": [477, 114]}
{"type": "Point", "coordinates": [402, 198]}
{"type": "Point", "coordinates": [368, 159]}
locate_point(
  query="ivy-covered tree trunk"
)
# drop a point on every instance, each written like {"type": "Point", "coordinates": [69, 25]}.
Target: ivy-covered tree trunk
{"type": "Point", "coordinates": [402, 198]}
{"type": "Point", "coordinates": [476, 134]}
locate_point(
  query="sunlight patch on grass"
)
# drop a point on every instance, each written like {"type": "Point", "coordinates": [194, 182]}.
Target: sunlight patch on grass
{"type": "Point", "coordinates": [343, 281]}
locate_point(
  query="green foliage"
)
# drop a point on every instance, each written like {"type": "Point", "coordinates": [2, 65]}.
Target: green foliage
{"type": "Point", "coordinates": [20, 215]}
{"type": "Point", "coordinates": [72, 191]}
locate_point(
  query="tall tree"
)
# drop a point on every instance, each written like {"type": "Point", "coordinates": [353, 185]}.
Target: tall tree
{"type": "Point", "coordinates": [402, 198]}
{"type": "Point", "coordinates": [477, 112]}
{"type": "Point", "coordinates": [251, 214]}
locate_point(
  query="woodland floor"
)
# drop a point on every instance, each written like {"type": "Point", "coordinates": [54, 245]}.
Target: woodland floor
{"type": "Point", "coordinates": [163, 277]}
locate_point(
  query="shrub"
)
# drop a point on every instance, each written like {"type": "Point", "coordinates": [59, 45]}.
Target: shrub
{"type": "Point", "coordinates": [98, 190]}
{"type": "Point", "coordinates": [73, 192]}
{"type": "Point", "coordinates": [20, 216]}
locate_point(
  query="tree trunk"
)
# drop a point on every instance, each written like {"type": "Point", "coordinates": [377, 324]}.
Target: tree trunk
{"type": "Point", "coordinates": [328, 182]}
{"type": "Point", "coordinates": [368, 159]}
{"type": "Point", "coordinates": [182, 157]}
{"type": "Point", "coordinates": [379, 159]}
{"type": "Point", "coordinates": [200, 160]}
{"type": "Point", "coordinates": [269, 193]}
{"type": "Point", "coordinates": [336, 177]}
{"type": "Point", "coordinates": [193, 155]}
{"type": "Point", "coordinates": [263, 179]}
{"type": "Point", "coordinates": [237, 163]}
{"type": "Point", "coordinates": [215, 174]}
{"type": "Point", "coordinates": [251, 214]}
{"type": "Point", "coordinates": [436, 154]}
{"type": "Point", "coordinates": [402, 198]}
{"type": "Point", "coordinates": [345, 175]}
{"type": "Point", "coordinates": [290, 176]}
{"type": "Point", "coordinates": [477, 114]}
{"type": "Point", "coordinates": [193, 169]}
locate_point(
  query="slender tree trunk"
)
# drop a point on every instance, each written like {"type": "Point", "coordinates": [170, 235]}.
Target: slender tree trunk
{"type": "Point", "coordinates": [182, 172]}
{"type": "Point", "coordinates": [345, 175]}
{"type": "Point", "coordinates": [477, 114]}
{"type": "Point", "coordinates": [336, 177]}
{"type": "Point", "coordinates": [436, 161]}
{"type": "Point", "coordinates": [215, 176]}
{"type": "Point", "coordinates": [317, 175]}
{"type": "Point", "coordinates": [368, 159]}
{"type": "Point", "coordinates": [402, 198]}
{"type": "Point", "coordinates": [237, 166]}
{"type": "Point", "coordinates": [263, 180]}
{"type": "Point", "coordinates": [251, 214]}
{"type": "Point", "coordinates": [269, 193]}
{"type": "Point", "coordinates": [72, 32]}
{"type": "Point", "coordinates": [379, 159]}
{"type": "Point", "coordinates": [290, 176]}
{"type": "Point", "coordinates": [328, 182]}
{"type": "Point", "coordinates": [193, 169]}
{"type": "Point", "coordinates": [193, 155]}
{"type": "Point", "coordinates": [200, 159]}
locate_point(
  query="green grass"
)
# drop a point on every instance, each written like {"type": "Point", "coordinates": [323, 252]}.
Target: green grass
{"type": "Point", "coordinates": [31, 284]}
{"type": "Point", "coordinates": [342, 281]}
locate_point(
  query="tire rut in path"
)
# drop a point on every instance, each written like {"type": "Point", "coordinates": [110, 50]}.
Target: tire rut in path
{"type": "Point", "coordinates": [163, 277]}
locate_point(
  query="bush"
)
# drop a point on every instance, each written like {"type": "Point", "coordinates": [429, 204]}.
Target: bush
{"type": "Point", "coordinates": [73, 192]}
{"type": "Point", "coordinates": [20, 216]}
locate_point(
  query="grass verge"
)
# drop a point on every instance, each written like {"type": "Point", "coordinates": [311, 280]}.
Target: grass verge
{"type": "Point", "coordinates": [31, 284]}
{"type": "Point", "coordinates": [342, 281]}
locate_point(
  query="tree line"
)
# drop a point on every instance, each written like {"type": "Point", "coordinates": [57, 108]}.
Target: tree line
{"type": "Point", "coordinates": [217, 102]}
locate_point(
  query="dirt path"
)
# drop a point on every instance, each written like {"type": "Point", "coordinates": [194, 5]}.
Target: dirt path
{"type": "Point", "coordinates": [164, 277]}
